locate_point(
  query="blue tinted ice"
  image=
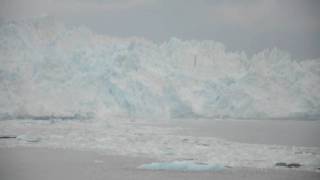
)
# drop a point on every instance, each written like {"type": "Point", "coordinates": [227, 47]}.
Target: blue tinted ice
{"type": "Point", "coordinates": [182, 166]}
{"type": "Point", "coordinates": [48, 70]}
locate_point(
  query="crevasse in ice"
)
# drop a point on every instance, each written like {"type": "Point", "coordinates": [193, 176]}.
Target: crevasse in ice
{"type": "Point", "coordinates": [48, 69]}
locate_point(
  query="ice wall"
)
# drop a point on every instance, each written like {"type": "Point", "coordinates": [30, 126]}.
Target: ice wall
{"type": "Point", "coordinates": [47, 69]}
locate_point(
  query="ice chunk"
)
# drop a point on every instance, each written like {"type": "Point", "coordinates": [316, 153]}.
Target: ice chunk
{"type": "Point", "coordinates": [182, 166]}
{"type": "Point", "coordinates": [28, 138]}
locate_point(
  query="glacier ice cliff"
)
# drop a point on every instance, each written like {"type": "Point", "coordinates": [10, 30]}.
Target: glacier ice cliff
{"type": "Point", "coordinates": [47, 69]}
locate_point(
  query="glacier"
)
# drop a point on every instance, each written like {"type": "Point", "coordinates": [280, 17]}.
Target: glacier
{"type": "Point", "coordinates": [50, 70]}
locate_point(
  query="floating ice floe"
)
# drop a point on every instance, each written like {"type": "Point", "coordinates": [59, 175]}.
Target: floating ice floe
{"type": "Point", "coordinates": [182, 166]}
{"type": "Point", "coordinates": [28, 138]}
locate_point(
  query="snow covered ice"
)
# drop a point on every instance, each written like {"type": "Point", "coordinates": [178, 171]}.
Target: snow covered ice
{"type": "Point", "coordinates": [72, 88]}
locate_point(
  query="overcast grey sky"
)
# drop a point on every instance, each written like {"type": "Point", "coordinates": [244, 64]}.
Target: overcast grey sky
{"type": "Point", "coordinates": [249, 25]}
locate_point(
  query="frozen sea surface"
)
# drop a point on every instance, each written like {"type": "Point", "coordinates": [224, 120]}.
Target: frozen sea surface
{"type": "Point", "coordinates": [161, 141]}
{"type": "Point", "coordinates": [52, 164]}
{"type": "Point", "coordinates": [279, 132]}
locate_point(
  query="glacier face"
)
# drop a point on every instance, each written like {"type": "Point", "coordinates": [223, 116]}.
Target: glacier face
{"type": "Point", "coordinates": [48, 69]}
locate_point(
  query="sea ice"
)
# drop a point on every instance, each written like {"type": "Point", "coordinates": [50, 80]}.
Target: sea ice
{"type": "Point", "coordinates": [28, 138]}
{"type": "Point", "coordinates": [182, 166]}
{"type": "Point", "coordinates": [164, 143]}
